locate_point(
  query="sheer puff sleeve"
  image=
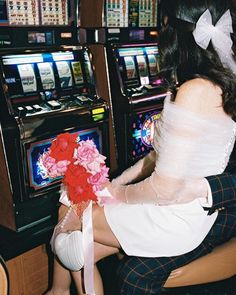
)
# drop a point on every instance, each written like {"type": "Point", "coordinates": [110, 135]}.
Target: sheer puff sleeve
{"type": "Point", "coordinates": [189, 149]}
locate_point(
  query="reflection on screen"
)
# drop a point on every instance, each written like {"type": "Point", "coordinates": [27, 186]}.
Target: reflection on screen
{"type": "Point", "coordinates": [38, 177]}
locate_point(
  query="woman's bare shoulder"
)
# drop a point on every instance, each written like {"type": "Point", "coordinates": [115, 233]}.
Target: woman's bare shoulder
{"type": "Point", "coordinates": [200, 96]}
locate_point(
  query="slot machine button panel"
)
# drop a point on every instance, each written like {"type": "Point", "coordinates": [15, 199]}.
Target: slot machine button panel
{"type": "Point", "coordinates": [29, 109]}
{"type": "Point", "coordinates": [149, 87]}
{"type": "Point", "coordinates": [83, 99]}
{"type": "Point", "coordinates": [53, 104]}
{"type": "Point", "coordinates": [140, 89]}
{"type": "Point", "coordinates": [21, 111]}
{"type": "Point", "coordinates": [37, 107]}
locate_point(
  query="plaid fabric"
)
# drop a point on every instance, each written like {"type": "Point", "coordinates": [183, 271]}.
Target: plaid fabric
{"type": "Point", "coordinates": [223, 191]}
{"type": "Point", "coordinates": [146, 276]}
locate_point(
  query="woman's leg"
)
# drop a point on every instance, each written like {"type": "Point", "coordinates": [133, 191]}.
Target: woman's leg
{"type": "Point", "coordinates": [61, 280]}
{"type": "Point", "coordinates": [101, 229]}
{"type": "Point", "coordinates": [105, 245]}
{"type": "Point", "coordinates": [100, 252]}
{"type": "Point", "coordinates": [61, 276]}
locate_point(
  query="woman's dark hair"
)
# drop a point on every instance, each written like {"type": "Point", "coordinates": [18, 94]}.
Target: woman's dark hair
{"type": "Point", "coordinates": [181, 59]}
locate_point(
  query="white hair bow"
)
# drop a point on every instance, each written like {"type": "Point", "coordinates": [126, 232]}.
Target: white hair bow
{"type": "Point", "coordinates": [219, 35]}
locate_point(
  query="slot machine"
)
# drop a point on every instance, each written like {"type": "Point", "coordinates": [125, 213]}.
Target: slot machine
{"type": "Point", "coordinates": [47, 87]}
{"type": "Point", "coordinates": [124, 35]}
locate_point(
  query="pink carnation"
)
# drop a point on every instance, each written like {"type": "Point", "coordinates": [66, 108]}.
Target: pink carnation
{"type": "Point", "coordinates": [54, 169]}
{"type": "Point", "coordinates": [46, 160]}
{"type": "Point", "coordinates": [98, 179]}
{"type": "Point", "coordinates": [88, 156]}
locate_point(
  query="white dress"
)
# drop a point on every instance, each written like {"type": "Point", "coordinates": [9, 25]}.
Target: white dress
{"type": "Point", "coordinates": [187, 146]}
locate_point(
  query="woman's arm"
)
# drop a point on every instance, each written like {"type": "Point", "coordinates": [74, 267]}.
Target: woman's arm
{"type": "Point", "coordinates": [200, 97]}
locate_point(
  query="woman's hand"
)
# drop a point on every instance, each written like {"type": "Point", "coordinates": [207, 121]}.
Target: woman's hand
{"type": "Point", "coordinates": [105, 195]}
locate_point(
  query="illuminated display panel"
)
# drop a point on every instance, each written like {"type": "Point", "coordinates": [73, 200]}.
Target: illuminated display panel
{"type": "Point", "coordinates": [54, 12]}
{"type": "Point", "coordinates": [142, 131]}
{"type": "Point", "coordinates": [138, 65]}
{"type": "Point", "coordinates": [36, 12]}
{"type": "Point", "coordinates": [49, 74]}
{"type": "Point", "coordinates": [38, 178]}
{"type": "Point", "coordinates": [21, 12]}
{"type": "Point", "coordinates": [46, 38]}
{"type": "Point", "coordinates": [143, 13]}
{"type": "Point", "coordinates": [116, 13]}
{"type": "Point", "coordinates": [148, 13]}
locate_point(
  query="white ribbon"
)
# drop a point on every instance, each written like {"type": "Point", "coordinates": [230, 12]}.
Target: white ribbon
{"type": "Point", "coordinates": [219, 35]}
{"type": "Point", "coordinates": [88, 245]}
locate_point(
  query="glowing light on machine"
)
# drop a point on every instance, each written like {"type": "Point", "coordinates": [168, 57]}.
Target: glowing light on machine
{"type": "Point", "coordinates": [143, 125]}
{"type": "Point", "coordinates": [22, 59]}
{"type": "Point", "coordinates": [58, 56]}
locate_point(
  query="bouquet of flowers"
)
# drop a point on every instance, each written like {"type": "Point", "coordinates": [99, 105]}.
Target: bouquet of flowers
{"type": "Point", "coordinates": [84, 173]}
{"type": "Point", "coordinates": [80, 165]}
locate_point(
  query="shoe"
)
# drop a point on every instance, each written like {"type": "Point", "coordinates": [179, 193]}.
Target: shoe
{"type": "Point", "coordinates": [69, 250]}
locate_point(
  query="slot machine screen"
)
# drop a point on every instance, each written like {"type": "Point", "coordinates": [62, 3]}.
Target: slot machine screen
{"type": "Point", "coordinates": [38, 178]}
{"type": "Point", "coordinates": [138, 65]}
{"type": "Point", "coordinates": [142, 131]}
{"type": "Point", "coordinates": [47, 75]}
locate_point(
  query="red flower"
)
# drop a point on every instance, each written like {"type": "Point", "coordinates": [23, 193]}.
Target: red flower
{"type": "Point", "coordinates": [77, 185]}
{"type": "Point", "coordinates": [63, 146]}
